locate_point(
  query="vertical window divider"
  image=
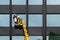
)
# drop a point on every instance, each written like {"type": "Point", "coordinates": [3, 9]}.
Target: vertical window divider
{"type": "Point", "coordinates": [44, 19]}
{"type": "Point", "coordinates": [27, 15]}
{"type": "Point", "coordinates": [10, 11]}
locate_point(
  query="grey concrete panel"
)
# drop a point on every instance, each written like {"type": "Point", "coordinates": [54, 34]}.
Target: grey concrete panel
{"type": "Point", "coordinates": [4, 31]}
{"type": "Point", "coordinates": [16, 32]}
{"type": "Point", "coordinates": [19, 9]}
{"type": "Point", "coordinates": [53, 9]}
{"type": "Point", "coordinates": [4, 9]}
{"type": "Point", "coordinates": [52, 29]}
{"type": "Point", "coordinates": [31, 9]}
{"type": "Point", "coordinates": [35, 9]}
{"type": "Point", "coordinates": [35, 31]}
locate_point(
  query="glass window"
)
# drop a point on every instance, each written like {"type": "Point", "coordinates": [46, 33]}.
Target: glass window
{"type": "Point", "coordinates": [53, 20]}
{"type": "Point", "coordinates": [4, 2]}
{"type": "Point", "coordinates": [19, 2]}
{"type": "Point", "coordinates": [47, 37]}
{"type": "Point", "coordinates": [35, 38]}
{"type": "Point", "coordinates": [21, 16]}
{"type": "Point", "coordinates": [30, 37]}
{"type": "Point", "coordinates": [35, 20]}
{"type": "Point", "coordinates": [53, 37]}
{"type": "Point", "coordinates": [4, 20]}
{"type": "Point", "coordinates": [4, 37]}
{"type": "Point", "coordinates": [53, 2]}
{"type": "Point", "coordinates": [17, 37]}
{"type": "Point", "coordinates": [35, 2]}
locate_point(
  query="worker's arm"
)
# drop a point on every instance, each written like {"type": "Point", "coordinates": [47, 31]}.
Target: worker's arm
{"type": "Point", "coordinates": [22, 22]}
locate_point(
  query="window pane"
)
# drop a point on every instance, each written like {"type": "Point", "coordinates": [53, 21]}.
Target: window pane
{"type": "Point", "coordinates": [35, 2]}
{"type": "Point", "coordinates": [4, 2]}
{"type": "Point", "coordinates": [53, 20]}
{"type": "Point", "coordinates": [19, 2]}
{"type": "Point", "coordinates": [53, 37]}
{"type": "Point", "coordinates": [47, 37]}
{"type": "Point", "coordinates": [4, 37]}
{"type": "Point", "coordinates": [21, 16]}
{"type": "Point", "coordinates": [53, 2]}
{"type": "Point", "coordinates": [17, 37]}
{"type": "Point", "coordinates": [35, 20]}
{"type": "Point", "coordinates": [4, 20]}
{"type": "Point", "coordinates": [30, 38]}
{"type": "Point", "coordinates": [35, 38]}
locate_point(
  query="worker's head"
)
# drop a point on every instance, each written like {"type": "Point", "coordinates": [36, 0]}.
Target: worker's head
{"type": "Point", "coordinates": [14, 16]}
{"type": "Point", "coordinates": [18, 17]}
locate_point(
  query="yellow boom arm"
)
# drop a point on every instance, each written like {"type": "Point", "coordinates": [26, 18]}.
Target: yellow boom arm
{"type": "Point", "coordinates": [26, 36]}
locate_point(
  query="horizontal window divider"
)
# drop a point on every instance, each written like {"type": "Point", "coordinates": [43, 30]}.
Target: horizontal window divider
{"type": "Point", "coordinates": [30, 13]}
{"type": "Point", "coordinates": [13, 27]}
{"type": "Point", "coordinates": [4, 35]}
{"type": "Point", "coordinates": [52, 13]}
{"type": "Point", "coordinates": [33, 27]}
{"type": "Point", "coordinates": [21, 35]}
{"type": "Point", "coordinates": [21, 13]}
{"type": "Point", "coordinates": [53, 27]}
{"type": "Point", "coordinates": [4, 13]}
{"type": "Point", "coordinates": [34, 13]}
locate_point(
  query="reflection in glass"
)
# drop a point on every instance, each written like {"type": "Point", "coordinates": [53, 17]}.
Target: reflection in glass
{"type": "Point", "coordinates": [4, 2]}
{"type": "Point", "coordinates": [17, 37]}
{"type": "Point", "coordinates": [4, 20]}
{"type": "Point", "coordinates": [53, 20]}
{"type": "Point", "coordinates": [4, 37]}
{"type": "Point", "coordinates": [53, 2]}
{"type": "Point", "coordinates": [35, 38]}
{"type": "Point", "coordinates": [19, 2]}
{"type": "Point", "coordinates": [35, 2]}
{"type": "Point", "coordinates": [30, 38]}
{"type": "Point", "coordinates": [35, 20]}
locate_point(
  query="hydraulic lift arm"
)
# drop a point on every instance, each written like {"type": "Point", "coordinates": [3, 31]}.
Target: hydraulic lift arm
{"type": "Point", "coordinates": [26, 36]}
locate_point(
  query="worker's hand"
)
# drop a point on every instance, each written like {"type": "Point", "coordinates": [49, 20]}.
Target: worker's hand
{"type": "Point", "coordinates": [21, 24]}
{"type": "Point", "coordinates": [16, 24]}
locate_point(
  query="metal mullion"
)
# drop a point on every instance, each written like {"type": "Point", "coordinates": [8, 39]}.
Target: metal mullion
{"type": "Point", "coordinates": [27, 15]}
{"type": "Point", "coordinates": [44, 19]}
{"type": "Point", "coordinates": [10, 11]}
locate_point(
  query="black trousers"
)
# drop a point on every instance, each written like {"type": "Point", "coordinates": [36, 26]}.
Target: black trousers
{"type": "Point", "coordinates": [19, 27]}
